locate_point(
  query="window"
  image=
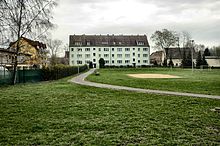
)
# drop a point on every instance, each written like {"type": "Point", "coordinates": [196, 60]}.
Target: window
{"type": "Point", "coordinates": [106, 55]}
{"type": "Point", "coordinates": [93, 54]}
{"type": "Point", "coordinates": [87, 49]}
{"type": "Point", "coordinates": [79, 62]}
{"type": "Point", "coordinates": [119, 49]}
{"type": "Point", "coordinates": [139, 49]}
{"type": "Point", "coordinates": [72, 55]}
{"type": "Point", "coordinates": [78, 43]}
{"type": "Point", "coordinates": [127, 55]}
{"type": "Point", "coordinates": [104, 43]}
{"type": "Point", "coordinates": [139, 55]}
{"type": "Point", "coordinates": [106, 49]}
{"type": "Point", "coordinates": [127, 61]}
{"type": "Point", "coordinates": [93, 49]}
{"type": "Point", "coordinates": [87, 61]}
{"type": "Point", "coordinates": [99, 55]}
{"type": "Point", "coordinates": [133, 59]}
{"type": "Point", "coordinates": [94, 60]}
{"type": "Point", "coordinates": [79, 55]}
{"type": "Point", "coordinates": [113, 61]}
{"type": "Point", "coordinates": [87, 55]}
{"type": "Point", "coordinates": [139, 61]}
{"type": "Point", "coordinates": [113, 49]}
{"type": "Point", "coordinates": [106, 61]}
{"type": "Point", "coordinates": [72, 49]}
{"type": "Point", "coordinates": [133, 54]}
{"type": "Point", "coordinates": [114, 43]}
{"type": "Point", "coordinates": [88, 43]}
{"type": "Point", "coordinates": [119, 61]}
{"type": "Point", "coordinates": [113, 55]}
{"type": "Point", "coordinates": [72, 62]}
{"type": "Point", "coordinates": [79, 49]}
{"type": "Point", "coordinates": [145, 49]}
{"type": "Point", "coordinates": [145, 55]}
{"type": "Point", "coordinates": [133, 49]}
{"type": "Point", "coordinates": [140, 43]}
{"type": "Point", "coordinates": [99, 49]}
{"type": "Point", "coordinates": [119, 55]}
{"type": "Point", "coordinates": [119, 43]}
{"type": "Point", "coordinates": [145, 61]}
{"type": "Point", "coordinates": [127, 49]}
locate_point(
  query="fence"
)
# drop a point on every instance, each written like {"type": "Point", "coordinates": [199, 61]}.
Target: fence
{"type": "Point", "coordinates": [25, 75]}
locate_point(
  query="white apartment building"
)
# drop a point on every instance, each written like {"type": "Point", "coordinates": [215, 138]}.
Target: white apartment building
{"type": "Point", "coordinates": [117, 50]}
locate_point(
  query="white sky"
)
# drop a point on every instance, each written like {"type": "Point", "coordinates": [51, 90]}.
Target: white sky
{"type": "Point", "coordinates": [201, 18]}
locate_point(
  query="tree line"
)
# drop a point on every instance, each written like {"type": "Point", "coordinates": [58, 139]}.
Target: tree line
{"type": "Point", "coordinates": [165, 39]}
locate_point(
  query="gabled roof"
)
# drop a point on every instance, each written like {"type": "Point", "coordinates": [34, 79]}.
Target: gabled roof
{"type": "Point", "coordinates": [35, 44]}
{"type": "Point", "coordinates": [177, 53]}
{"type": "Point", "coordinates": [108, 40]}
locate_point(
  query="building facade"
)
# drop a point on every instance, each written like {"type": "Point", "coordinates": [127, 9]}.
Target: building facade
{"type": "Point", "coordinates": [37, 51]}
{"type": "Point", "coordinates": [117, 50]}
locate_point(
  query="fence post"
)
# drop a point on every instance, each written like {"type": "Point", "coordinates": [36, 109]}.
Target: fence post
{"type": "Point", "coordinates": [24, 75]}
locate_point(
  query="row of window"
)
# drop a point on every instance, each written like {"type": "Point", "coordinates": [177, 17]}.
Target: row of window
{"type": "Point", "coordinates": [106, 43]}
{"type": "Point", "coordinates": [107, 55]}
{"type": "Point", "coordinates": [107, 49]}
{"type": "Point", "coordinates": [107, 61]}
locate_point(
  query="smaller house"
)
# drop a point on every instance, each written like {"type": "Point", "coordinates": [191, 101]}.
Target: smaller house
{"type": "Point", "coordinates": [36, 50]}
{"type": "Point", "coordinates": [156, 57]}
{"type": "Point", "coordinates": [176, 54]}
{"type": "Point", "coordinates": [213, 61]}
{"type": "Point", "coordinates": [7, 57]}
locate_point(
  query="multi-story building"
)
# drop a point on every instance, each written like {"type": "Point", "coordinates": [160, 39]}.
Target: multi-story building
{"type": "Point", "coordinates": [117, 50]}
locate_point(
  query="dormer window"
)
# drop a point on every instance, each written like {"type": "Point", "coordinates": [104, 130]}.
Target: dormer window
{"type": "Point", "coordinates": [140, 43]}
{"type": "Point", "coordinates": [78, 43]}
{"type": "Point", "coordinates": [88, 43]}
{"type": "Point", "coordinates": [119, 43]}
{"type": "Point", "coordinates": [104, 43]}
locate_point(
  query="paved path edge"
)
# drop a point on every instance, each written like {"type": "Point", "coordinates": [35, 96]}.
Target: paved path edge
{"type": "Point", "coordinates": [80, 79]}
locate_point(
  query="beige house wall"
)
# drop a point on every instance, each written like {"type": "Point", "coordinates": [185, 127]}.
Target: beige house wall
{"type": "Point", "coordinates": [213, 62]}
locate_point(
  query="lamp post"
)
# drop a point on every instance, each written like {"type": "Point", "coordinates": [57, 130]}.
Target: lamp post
{"type": "Point", "coordinates": [192, 48]}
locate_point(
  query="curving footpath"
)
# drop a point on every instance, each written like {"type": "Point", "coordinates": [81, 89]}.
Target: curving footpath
{"type": "Point", "coordinates": [80, 79]}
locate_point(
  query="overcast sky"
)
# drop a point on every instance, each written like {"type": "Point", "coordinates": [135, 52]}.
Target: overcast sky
{"type": "Point", "coordinates": [201, 18]}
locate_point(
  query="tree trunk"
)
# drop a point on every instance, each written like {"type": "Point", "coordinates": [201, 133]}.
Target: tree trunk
{"type": "Point", "coordinates": [17, 45]}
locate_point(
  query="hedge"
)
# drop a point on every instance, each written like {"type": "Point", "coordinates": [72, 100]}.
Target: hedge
{"type": "Point", "coordinates": [60, 71]}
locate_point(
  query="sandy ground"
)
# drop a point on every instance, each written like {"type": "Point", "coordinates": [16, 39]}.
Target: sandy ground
{"type": "Point", "coordinates": [152, 76]}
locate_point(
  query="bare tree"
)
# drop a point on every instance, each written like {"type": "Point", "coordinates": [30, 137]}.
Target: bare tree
{"type": "Point", "coordinates": [164, 39]}
{"type": "Point", "coordinates": [54, 47]}
{"type": "Point", "coordinates": [184, 39]}
{"type": "Point", "coordinates": [29, 18]}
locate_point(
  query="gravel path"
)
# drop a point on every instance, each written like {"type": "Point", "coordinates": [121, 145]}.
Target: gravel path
{"type": "Point", "coordinates": [80, 79]}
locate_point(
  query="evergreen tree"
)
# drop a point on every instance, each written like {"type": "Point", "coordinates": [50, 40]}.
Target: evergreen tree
{"type": "Point", "coordinates": [165, 62]}
{"type": "Point", "coordinates": [199, 61]}
{"type": "Point", "coordinates": [101, 63]}
{"type": "Point", "coordinates": [170, 64]}
{"type": "Point", "coordinates": [189, 59]}
{"type": "Point", "coordinates": [90, 64]}
{"type": "Point", "coordinates": [204, 62]}
{"type": "Point", "coordinates": [183, 63]}
{"type": "Point", "coordinates": [207, 52]}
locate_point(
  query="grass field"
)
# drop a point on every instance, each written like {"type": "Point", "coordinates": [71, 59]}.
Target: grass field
{"type": "Point", "coordinates": [205, 82]}
{"type": "Point", "coordinates": [61, 113]}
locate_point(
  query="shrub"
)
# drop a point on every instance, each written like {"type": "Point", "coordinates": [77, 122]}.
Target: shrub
{"type": "Point", "coordinates": [60, 71]}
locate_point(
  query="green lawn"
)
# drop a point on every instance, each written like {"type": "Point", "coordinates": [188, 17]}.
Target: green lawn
{"type": "Point", "coordinates": [205, 82]}
{"type": "Point", "coordinates": [61, 113]}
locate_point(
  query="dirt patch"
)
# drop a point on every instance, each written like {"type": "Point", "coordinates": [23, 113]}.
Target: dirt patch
{"type": "Point", "coordinates": [159, 76]}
